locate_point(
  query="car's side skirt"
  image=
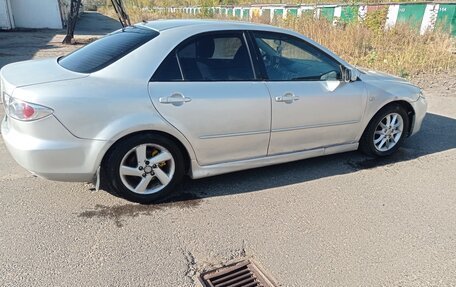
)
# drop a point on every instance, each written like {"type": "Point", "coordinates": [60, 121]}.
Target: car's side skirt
{"type": "Point", "coordinates": [198, 171]}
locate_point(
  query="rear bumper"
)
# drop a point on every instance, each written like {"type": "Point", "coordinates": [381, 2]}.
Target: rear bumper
{"type": "Point", "coordinates": [420, 107]}
{"type": "Point", "coordinates": [45, 148]}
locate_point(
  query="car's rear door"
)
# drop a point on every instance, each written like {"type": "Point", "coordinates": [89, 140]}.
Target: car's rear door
{"type": "Point", "coordinates": [207, 89]}
{"type": "Point", "coordinates": [311, 106]}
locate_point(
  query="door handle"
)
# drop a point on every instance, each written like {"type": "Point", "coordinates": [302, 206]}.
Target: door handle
{"type": "Point", "coordinates": [175, 99]}
{"type": "Point", "coordinates": [287, 98]}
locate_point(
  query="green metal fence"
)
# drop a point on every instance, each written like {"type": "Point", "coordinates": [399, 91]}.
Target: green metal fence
{"type": "Point", "coordinates": [422, 16]}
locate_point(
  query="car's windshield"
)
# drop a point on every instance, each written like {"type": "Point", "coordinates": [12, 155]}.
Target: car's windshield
{"type": "Point", "coordinates": [107, 50]}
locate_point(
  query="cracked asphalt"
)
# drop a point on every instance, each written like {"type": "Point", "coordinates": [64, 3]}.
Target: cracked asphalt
{"type": "Point", "coordinates": [341, 220]}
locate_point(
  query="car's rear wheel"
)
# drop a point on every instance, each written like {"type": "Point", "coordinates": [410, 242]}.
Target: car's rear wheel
{"type": "Point", "coordinates": [385, 132]}
{"type": "Point", "coordinates": [143, 168]}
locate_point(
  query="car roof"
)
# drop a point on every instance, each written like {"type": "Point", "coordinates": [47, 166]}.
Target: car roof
{"type": "Point", "coordinates": [161, 25]}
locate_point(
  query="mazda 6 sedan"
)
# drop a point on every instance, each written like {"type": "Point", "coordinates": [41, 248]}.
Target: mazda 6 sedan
{"type": "Point", "coordinates": [141, 107]}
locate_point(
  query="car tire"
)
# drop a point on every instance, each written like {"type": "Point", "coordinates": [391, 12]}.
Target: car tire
{"type": "Point", "coordinates": [385, 132]}
{"type": "Point", "coordinates": [143, 168]}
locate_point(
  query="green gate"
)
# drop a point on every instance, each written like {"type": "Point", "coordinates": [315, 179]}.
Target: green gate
{"type": "Point", "coordinates": [411, 14]}
{"type": "Point", "coordinates": [246, 13]}
{"type": "Point", "coordinates": [292, 12]}
{"type": "Point", "coordinates": [446, 18]}
{"type": "Point", "coordinates": [349, 14]}
{"type": "Point", "coordinates": [278, 13]}
{"type": "Point", "coordinates": [237, 12]}
{"type": "Point", "coordinates": [327, 13]}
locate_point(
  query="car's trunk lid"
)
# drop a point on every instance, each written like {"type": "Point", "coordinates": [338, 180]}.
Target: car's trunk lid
{"type": "Point", "coordinates": [34, 72]}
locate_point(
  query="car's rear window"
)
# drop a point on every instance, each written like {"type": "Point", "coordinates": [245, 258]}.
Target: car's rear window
{"type": "Point", "coordinates": [105, 51]}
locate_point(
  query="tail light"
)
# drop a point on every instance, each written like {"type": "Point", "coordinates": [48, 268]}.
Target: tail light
{"type": "Point", "coordinates": [24, 111]}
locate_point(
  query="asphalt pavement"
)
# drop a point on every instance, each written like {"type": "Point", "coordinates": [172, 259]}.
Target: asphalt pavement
{"type": "Point", "coordinates": [340, 220]}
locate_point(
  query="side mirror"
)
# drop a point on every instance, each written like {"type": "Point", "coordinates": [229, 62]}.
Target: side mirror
{"type": "Point", "coordinates": [349, 74]}
{"type": "Point", "coordinates": [354, 75]}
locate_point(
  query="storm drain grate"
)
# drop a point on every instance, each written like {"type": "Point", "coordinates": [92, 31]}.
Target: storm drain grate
{"type": "Point", "coordinates": [241, 274]}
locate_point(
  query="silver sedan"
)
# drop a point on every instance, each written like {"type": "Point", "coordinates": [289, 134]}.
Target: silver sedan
{"type": "Point", "coordinates": [145, 105]}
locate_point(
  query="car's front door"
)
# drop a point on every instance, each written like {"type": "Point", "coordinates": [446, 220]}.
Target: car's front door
{"type": "Point", "coordinates": [311, 106]}
{"type": "Point", "coordinates": [206, 88]}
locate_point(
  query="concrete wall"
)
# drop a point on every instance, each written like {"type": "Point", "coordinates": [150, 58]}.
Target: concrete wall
{"type": "Point", "coordinates": [36, 14]}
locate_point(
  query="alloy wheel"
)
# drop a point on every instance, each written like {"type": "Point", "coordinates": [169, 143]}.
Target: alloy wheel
{"type": "Point", "coordinates": [388, 132]}
{"type": "Point", "coordinates": [147, 168]}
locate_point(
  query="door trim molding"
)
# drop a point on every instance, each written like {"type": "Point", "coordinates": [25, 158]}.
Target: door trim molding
{"type": "Point", "coordinates": [216, 136]}
{"type": "Point", "coordinates": [315, 126]}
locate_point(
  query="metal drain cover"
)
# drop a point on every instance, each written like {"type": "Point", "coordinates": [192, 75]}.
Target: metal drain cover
{"type": "Point", "coordinates": [241, 274]}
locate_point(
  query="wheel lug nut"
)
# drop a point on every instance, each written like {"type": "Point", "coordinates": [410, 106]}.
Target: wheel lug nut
{"type": "Point", "coordinates": [147, 162]}
{"type": "Point", "coordinates": [144, 175]}
{"type": "Point", "coordinates": [140, 168]}
{"type": "Point", "coordinates": [154, 166]}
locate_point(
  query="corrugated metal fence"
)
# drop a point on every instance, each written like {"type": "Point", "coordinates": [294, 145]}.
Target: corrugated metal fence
{"type": "Point", "coordinates": [423, 16]}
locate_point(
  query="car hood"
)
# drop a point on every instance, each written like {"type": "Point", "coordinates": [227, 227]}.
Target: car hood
{"type": "Point", "coordinates": [367, 74]}
{"type": "Point", "coordinates": [383, 83]}
{"type": "Point", "coordinates": [34, 72]}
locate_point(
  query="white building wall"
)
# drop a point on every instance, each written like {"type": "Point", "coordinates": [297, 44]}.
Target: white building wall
{"type": "Point", "coordinates": [391, 17]}
{"type": "Point", "coordinates": [36, 14]}
{"type": "Point", "coordinates": [6, 21]}
{"type": "Point", "coordinates": [429, 18]}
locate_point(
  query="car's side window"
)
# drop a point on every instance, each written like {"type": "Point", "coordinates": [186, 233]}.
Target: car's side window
{"type": "Point", "coordinates": [215, 57]}
{"type": "Point", "coordinates": [286, 58]}
{"type": "Point", "coordinates": [169, 70]}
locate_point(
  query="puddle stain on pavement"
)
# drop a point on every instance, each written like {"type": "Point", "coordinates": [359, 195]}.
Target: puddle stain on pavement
{"type": "Point", "coordinates": [369, 163]}
{"type": "Point", "coordinates": [118, 213]}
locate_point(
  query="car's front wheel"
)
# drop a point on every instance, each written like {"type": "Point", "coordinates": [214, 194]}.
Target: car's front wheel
{"type": "Point", "coordinates": [386, 131]}
{"type": "Point", "coordinates": [143, 168]}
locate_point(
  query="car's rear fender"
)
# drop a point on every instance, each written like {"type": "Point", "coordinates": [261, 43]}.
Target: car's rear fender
{"type": "Point", "coordinates": [139, 123]}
